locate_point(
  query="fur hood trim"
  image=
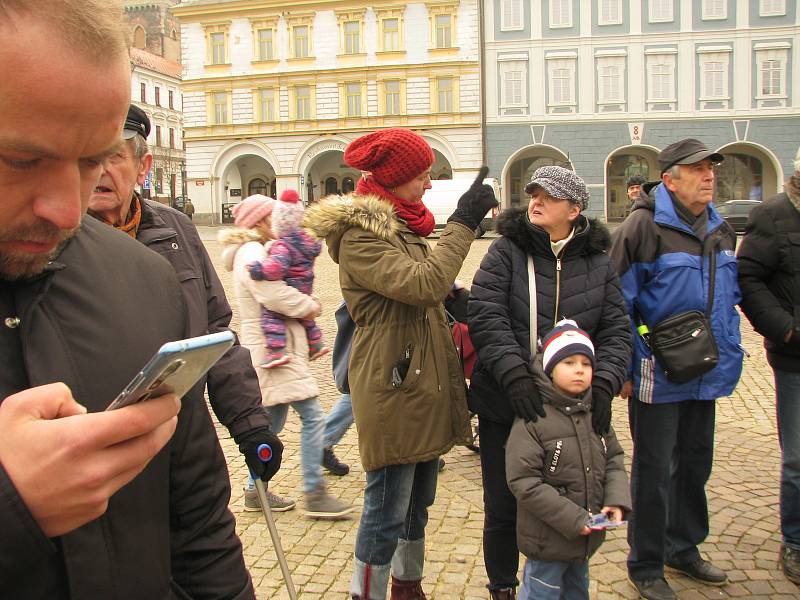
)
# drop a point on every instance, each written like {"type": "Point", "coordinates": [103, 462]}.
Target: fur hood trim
{"type": "Point", "coordinates": [512, 224]}
{"type": "Point", "coordinates": [232, 238]}
{"type": "Point", "coordinates": [333, 215]}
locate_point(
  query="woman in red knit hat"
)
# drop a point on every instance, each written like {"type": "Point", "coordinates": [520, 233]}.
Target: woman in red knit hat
{"type": "Point", "coordinates": [405, 379]}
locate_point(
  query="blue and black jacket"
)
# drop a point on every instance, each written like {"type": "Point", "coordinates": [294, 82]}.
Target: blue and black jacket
{"type": "Point", "coordinates": [661, 267]}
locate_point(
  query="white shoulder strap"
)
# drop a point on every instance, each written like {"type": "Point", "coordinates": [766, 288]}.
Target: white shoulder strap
{"type": "Point", "coordinates": [532, 304]}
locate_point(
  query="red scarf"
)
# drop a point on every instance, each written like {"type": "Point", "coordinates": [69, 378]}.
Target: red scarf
{"type": "Point", "coordinates": [416, 215]}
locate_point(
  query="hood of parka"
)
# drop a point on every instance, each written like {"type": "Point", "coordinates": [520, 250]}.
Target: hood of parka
{"type": "Point", "coordinates": [233, 238]}
{"type": "Point", "coordinates": [591, 236]}
{"type": "Point", "coordinates": [333, 215]}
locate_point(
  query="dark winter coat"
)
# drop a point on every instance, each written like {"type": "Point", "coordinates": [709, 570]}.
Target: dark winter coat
{"type": "Point", "coordinates": [104, 307]}
{"type": "Point", "coordinates": [581, 285]}
{"type": "Point", "coordinates": [560, 471]}
{"type": "Point", "coordinates": [660, 263]}
{"type": "Point", "coordinates": [233, 389]}
{"type": "Point", "coordinates": [394, 285]}
{"type": "Point", "coordinates": [769, 275]}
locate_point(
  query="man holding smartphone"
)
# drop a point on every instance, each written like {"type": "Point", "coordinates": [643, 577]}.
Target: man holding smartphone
{"type": "Point", "coordinates": [233, 389]}
{"type": "Point", "coordinates": [124, 504]}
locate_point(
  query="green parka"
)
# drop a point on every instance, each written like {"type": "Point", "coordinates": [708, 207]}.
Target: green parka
{"type": "Point", "coordinates": [394, 286]}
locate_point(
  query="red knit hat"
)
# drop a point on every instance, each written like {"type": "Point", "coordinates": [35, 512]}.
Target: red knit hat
{"type": "Point", "coordinates": [393, 156]}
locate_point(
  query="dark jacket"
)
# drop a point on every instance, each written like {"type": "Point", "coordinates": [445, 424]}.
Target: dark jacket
{"type": "Point", "coordinates": [407, 384]}
{"type": "Point", "coordinates": [580, 285]}
{"type": "Point", "coordinates": [661, 267]}
{"type": "Point", "coordinates": [233, 389]}
{"type": "Point", "coordinates": [342, 345]}
{"type": "Point", "coordinates": [104, 307]}
{"type": "Point", "coordinates": [560, 471]}
{"type": "Point", "coordinates": [769, 275]}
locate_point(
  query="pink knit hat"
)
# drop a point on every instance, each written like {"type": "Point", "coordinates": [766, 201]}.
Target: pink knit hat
{"type": "Point", "coordinates": [251, 210]}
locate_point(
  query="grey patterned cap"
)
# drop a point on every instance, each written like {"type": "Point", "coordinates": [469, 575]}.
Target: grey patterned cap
{"type": "Point", "coordinates": [560, 183]}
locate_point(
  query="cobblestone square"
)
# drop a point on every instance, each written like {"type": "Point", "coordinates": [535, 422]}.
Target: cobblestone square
{"type": "Point", "coordinates": [742, 494]}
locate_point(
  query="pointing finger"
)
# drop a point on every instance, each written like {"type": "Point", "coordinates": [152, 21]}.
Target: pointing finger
{"type": "Point", "coordinates": [484, 171]}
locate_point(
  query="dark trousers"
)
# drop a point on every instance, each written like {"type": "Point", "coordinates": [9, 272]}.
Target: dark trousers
{"type": "Point", "coordinates": [500, 552]}
{"type": "Point", "coordinates": [673, 450]}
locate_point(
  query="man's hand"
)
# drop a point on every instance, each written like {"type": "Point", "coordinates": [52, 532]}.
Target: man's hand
{"type": "Point", "coordinates": [627, 390]}
{"type": "Point", "coordinates": [249, 443]}
{"type": "Point", "coordinates": [66, 464]}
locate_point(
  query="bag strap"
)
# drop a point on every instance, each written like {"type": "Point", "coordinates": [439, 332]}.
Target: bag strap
{"type": "Point", "coordinates": [532, 305]}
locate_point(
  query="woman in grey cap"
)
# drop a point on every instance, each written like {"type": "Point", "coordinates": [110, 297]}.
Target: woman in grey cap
{"type": "Point", "coordinates": [575, 280]}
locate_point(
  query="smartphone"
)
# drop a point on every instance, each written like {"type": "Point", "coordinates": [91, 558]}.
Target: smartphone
{"type": "Point", "coordinates": [175, 368]}
{"type": "Point", "coordinates": [601, 521]}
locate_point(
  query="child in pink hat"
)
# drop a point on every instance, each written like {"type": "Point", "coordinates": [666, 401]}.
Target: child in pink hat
{"type": "Point", "coordinates": [291, 258]}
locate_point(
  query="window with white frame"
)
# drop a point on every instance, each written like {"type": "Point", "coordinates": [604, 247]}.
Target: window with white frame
{"type": "Point", "coordinates": [266, 101]}
{"type": "Point", "coordinates": [771, 68]}
{"type": "Point", "coordinates": [561, 84]}
{"type": "Point", "coordinates": [265, 44]}
{"type": "Point", "coordinates": [661, 93]}
{"type": "Point", "coordinates": [353, 99]}
{"type": "Point", "coordinates": [217, 43]}
{"type": "Point", "coordinates": [302, 102]}
{"type": "Point", "coordinates": [714, 84]}
{"type": "Point", "coordinates": [351, 30]}
{"type": "Point", "coordinates": [391, 34]}
{"type": "Point", "coordinates": [444, 94]}
{"type": "Point", "coordinates": [300, 38]}
{"type": "Point", "coordinates": [220, 107]}
{"type": "Point", "coordinates": [660, 11]}
{"type": "Point", "coordinates": [609, 12]}
{"type": "Point", "coordinates": [715, 9]}
{"type": "Point", "coordinates": [560, 13]}
{"type": "Point", "coordinates": [513, 86]}
{"type": "Point", "coordinates": [610, 81]}
{"type": "Point", "coordinates": [511, 15]}
{"type": "Point", "coordinates": [391, 95]}
{"type": "Point", "coordinates": [443, 27]}
{"type": "Point", "coordinates": [771, 8]}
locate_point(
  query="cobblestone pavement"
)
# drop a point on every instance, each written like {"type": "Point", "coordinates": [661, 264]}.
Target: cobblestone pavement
{"type": "Point", "coordinates": [742, 494]}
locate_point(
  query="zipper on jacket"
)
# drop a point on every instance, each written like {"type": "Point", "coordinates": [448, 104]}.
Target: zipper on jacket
{"type": "Point", "coordinates": [558, 288]}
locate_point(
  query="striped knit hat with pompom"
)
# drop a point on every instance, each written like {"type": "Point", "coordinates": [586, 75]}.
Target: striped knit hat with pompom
{"type": "Point", "coordinates": [564, 340]}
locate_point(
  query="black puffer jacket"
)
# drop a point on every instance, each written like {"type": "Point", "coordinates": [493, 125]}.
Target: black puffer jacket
{"type": "Point", "coordinates": [769, 259]}
{"type": "Point", "coordinates": [585, 289]}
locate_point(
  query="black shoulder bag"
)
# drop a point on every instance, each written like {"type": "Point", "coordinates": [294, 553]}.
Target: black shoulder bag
{"type": "Point", "coordinates": [684, 344]}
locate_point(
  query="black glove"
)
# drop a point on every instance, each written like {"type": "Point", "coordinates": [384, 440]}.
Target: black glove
{"type": "Point", "coordinates": [249, 442]}
{"type": "Point", "coordinates": [475, 202]}
{"type": "Point", "coordinates": [456, 304]}
{"type": "Point", "coordinates": [523, 395]}
{"type": "Point", "coordinates": [601, 409]}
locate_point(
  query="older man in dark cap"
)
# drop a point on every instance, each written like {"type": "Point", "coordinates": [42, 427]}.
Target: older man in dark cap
{"type": "Point", "coordinates": [674, 254]}
{"type": "Point", "coordinates": [232, 384]}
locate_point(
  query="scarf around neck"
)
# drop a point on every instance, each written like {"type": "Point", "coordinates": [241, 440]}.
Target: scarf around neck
{"type": "Point", "coordinates": [415, 214]}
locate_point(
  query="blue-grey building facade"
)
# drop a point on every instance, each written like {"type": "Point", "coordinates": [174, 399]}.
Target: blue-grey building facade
{"type": "Point", "coordinates": [601, 86]}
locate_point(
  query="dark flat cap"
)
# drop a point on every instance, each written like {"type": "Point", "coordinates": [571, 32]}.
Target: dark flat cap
{"type": "Point", "coordinates": [686, 152]}
{"type": "Point", "coordinates": [137, 122]}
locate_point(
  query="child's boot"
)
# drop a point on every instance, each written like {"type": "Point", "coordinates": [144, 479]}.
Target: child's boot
{"type": "Point", "coordinates": [275, 358]}
{"type": "Point", "coordinates": [317, 349]}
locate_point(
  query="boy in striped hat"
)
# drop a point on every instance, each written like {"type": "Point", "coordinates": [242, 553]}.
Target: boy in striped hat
{"type": "Point", "coordinates": [562, 473]}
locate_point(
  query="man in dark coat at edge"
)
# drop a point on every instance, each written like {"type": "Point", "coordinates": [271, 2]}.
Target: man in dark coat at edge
{"type": "Point", "coordinates": [123, 504]}
{"type": "Point", "coordinates": [769, 258]}
{"type": "Point", "coordinates": [233, 389]}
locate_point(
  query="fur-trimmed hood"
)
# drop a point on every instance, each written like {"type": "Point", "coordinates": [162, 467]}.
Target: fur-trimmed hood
{"type": "Point", "coordinates": [333, 215]}
{"type": "Point", "coordinates": [232, 238]}
{"type": "Point", "coordinates": [793, 190]}
{"type": "Point", "coordinates": [591, 237]}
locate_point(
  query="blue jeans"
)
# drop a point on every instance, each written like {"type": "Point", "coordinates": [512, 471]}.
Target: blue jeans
{"type": "Point", "coordinates": [392, 527]}
{"type": "Point", "coordinates": [313, 425]}
{"type": "Point", "coordinates": [338, 421]}
{"type": "Point", "coordinates": [787, 399]}
{"type": "Point", "coordinates": [554, 580]}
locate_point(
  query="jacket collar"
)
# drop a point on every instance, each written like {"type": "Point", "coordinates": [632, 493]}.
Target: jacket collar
{"type": "Point", "coordinates": [153, 227]}
{"type": "Point", "coordinates": [591, 236]}
{"type": "Point", "coordinates": [659, 201]}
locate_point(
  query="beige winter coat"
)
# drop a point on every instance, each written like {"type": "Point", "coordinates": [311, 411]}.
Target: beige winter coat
{"type": "Point", "coordinates": [394, 286]}
{"type": "Point", "coordinates": [292, 381]}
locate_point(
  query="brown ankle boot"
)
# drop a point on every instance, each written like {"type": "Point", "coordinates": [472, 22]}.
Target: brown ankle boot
{"type": "Point", "coordinates": [504, 594]}
{"type": "Point", "coordinates": [407, 590]}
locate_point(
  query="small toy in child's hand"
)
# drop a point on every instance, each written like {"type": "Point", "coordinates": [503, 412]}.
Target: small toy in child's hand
{"type": "Point", "coordinates": [600, 521]}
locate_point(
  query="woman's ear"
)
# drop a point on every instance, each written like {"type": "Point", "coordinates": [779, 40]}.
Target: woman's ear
{"type": "Point", "coordinates": [574, 211]}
